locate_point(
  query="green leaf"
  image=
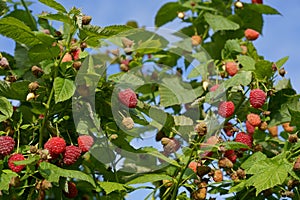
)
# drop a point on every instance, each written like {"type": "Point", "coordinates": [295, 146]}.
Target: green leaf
{"type": "Point", "coordinates": [173, 93]}
{"type": "Point", "coordinates": [238, 187]}
{"type": "Point", "coordinates": [149, 46]}
{"type": "Point", "coordinates": [167, 13]}
{"type": "Point", "coordinates": [247, 62]}
{"type": "Point", "coordinates": [283, 84]}
{"type": "Point", "coordinates": [5, 178]}
{"type": "Point", "coordinates": [242, 78]}
{"type": "Point", "coordinates": [42, 52]}
{"type": "Point", "coordinates": [202, 68]}
{"type": "Point", "coordinates": [268, 173]}
{"type": "Point", "coordinates": [295, 118]}
{"type": "Point", "coordinates": [28, 161]}
{"type": "Point", "coordinates": [183, 121]}
{"type": "Point", "coordinates": [218, 22]}
{"type": "Point", "coordinates": [57, 17]}
{"type": "Point", "coordinates": [52, 173]}
{"type": "Point", "coordinates": [115, 30]}
{"type": "Point", "coordinates": [18, 31]}
{"type": "Point", "coordinates": [23, 16]}
{"type": "Point", "coordinates": [256, 157]}
{"type": "Point", "coordinates": [53, 4]}
{"type": "Point", "coordinates": [233, 46]}
{"type": "Point", "coordinates": [263, 70]}
{"type": "Point", "coordinates": [281, 62]}
{"type": "Point", "coordinates": [110, 187]}
{"type": "Point", "coordinates": [202, 7]}
{"type": "Point", "coordinates": [17, 90]}
{"type": "Point", "coordinates": [263, 9]}
{"type": "Point", "coordinates": [280, 103]}
{"type": "Point", "coordinates": [159, 155]}
{"type": "Point", "coordinates": [149, 178]}
{"type": "Point", "coordinates": [234, 145]}
{"type": "Point", "coordinates": [6, 109]}
{"type": "Point", "coordinates": [250, 19]}
{"type": "Point", "coordinates": [63, 89]}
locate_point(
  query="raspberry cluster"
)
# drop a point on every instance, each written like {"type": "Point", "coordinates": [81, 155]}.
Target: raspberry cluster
{"type": "Point", "coordinates": [7, 145]}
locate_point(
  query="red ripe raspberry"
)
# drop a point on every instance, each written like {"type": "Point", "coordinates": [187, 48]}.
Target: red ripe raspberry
{"type": "Point", "coordinates": [230, 154]}
{"type": "Point", "coordinates": [12, 159]}
{"type": "Point", "coordinates": [231, 68]}
{"type": "Point", "coordinates": [245, 139]}
{"type": "Point", "coordinates": [71, 154]}
{"type": "Point", "coordinates": [214, 88]}
{"type": "Point", "coordinates": [257, 1]}
{"type": "Point", "coordinates": [250, 128]}
{"type": "Point", "coordinates": [55, 146]}
{"type": "Point", "coordinates": [128, 98]}
{"type": "Point", "coordinates": [251, 34]}
{"type": "Point", "coordinates": [85, 142]}
{"type": "Point", "coordinates": [226, 109]}
{"type": "Point", "coordinates": [72, 190]}
{"type": "Point", "coordinates": [257, 98]}
{"type": "Point", "coordinates": [7, 145]}
{"type": "Point", "coordinates": [253, 119]}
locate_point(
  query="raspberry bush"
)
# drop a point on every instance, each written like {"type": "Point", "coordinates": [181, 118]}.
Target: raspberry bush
{"type": "Point", "coordinates": [77, 100]}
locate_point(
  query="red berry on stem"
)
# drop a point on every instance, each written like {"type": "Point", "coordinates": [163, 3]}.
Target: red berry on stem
{"type": "Point", "coordinates": [257, 98]}
{"type": "Point", "coordinates": [250, 128]}
{"type": "Point", "coordinates": [231, 68]}
{"type": "Point", "coordinates": [230, 154]}
{"type": "Point", "coordinates": [7, 145]}
{"type": "Point", "coordinates": [85, 142]}
{"type": "Point", "coordinates": [254, 119]}
{"type": "Point", "coordinates": [71, 154]}
{"type": "Point", "coordinates": [55, 145]}
{"type": "Point", "coordinates": [251, 34]}
{"type": "Point", "coordinates": [12, 159]}
{"type": "Point", "coordinates": [245, 139]}
{"type": "Point", "coordinates": [226, 108]}
{"type": "Point", "coordinates": [128, 98]}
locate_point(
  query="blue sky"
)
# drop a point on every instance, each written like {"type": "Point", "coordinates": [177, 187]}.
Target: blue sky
{"type": "Point", "coordinates": [280, 34]}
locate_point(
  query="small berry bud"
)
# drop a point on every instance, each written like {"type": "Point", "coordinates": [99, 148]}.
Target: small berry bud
{"type": "Point", "coordinates": [4, 63]}
{"type": "Point", "coordinates": [33, 86]}
{"type": "Point", "coordinates": [76, 65]}
{"type": "Point", "coordinates": [128, 122]}
{"type": "Point", "coordinates": [36, 71]}
{"type": "Point", "coordinates": [201, 128]}
{"type": "Point", "coordinates": [238, 4]}
{"type": "Point", "coordinates": [196, 40]}
{"type": "Point", "coordinates": [282, 72]}
{"type": "Point", "coordinates": [127, 42]}
{"type": "Point", "coordinates": [30, 96]}
{"type": "Point", "coordinates": [293, 138]}
{"type": "Point", "coordinates": [181, 15]}
{"type": "Point", "coordinates": [86, 20]}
